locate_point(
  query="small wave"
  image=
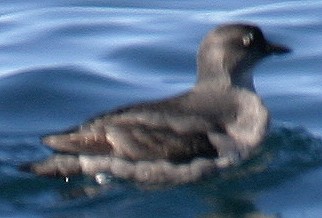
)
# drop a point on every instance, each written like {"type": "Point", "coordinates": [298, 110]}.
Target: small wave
{"type": "Point", "coordinates": [286, 153]}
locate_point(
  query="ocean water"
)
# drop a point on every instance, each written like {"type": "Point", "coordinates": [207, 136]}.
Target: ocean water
{"type": "Point", "coordinates": [62, 62]}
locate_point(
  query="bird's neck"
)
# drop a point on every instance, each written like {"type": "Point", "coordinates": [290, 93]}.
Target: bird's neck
{"type": "Point", "coordinates": [243, 79]}
{"type": "Point", "coordinates": [218, 74]}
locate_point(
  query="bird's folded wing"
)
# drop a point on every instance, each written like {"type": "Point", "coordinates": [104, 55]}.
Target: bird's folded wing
{"type": "Point", "coordinates": [140, 135]}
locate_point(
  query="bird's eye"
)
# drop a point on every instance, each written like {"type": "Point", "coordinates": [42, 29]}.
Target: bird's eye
{"type": "Point", "coordinates": [248, 39]}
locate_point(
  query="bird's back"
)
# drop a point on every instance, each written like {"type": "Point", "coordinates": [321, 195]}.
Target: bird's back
{"type": "Point", "coordinates": [176, 129]}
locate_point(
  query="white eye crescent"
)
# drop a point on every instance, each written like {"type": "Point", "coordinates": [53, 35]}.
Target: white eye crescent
{"type": "Point", "coordinates": [248, 39]}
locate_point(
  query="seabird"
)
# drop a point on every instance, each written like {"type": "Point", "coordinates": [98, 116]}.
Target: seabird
{"type": "Point", "coordinates": [217, 123]}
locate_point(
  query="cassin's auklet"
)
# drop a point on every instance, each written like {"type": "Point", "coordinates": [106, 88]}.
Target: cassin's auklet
{"type": "Point", "coordinates": [216, 124]}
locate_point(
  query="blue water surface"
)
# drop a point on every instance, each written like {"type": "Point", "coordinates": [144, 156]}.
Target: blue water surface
{"type": "Point", "coordinates": [62, 62]}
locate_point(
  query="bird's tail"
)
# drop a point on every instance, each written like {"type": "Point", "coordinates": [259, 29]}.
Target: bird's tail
{"type": "Point", "coordinates": [78, 142]}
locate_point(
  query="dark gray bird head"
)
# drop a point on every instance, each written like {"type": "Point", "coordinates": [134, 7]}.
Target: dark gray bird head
{"type": "Point", "coordinates": [228, 54]}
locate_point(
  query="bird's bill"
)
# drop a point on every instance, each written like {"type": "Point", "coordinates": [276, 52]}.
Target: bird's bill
{"type": "Point", "coordinates": [276, 49]}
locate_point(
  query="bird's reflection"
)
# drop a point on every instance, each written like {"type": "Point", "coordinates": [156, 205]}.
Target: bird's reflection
{"type": "Point", "coordinates": [287, 153]}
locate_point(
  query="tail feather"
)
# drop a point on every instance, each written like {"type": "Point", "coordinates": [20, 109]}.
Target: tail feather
{"type": "Point", "coordinates": [79, 142]}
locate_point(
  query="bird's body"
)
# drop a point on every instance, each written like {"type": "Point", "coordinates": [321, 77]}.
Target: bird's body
{"type": "Point", "coordinates": [220, 118]}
